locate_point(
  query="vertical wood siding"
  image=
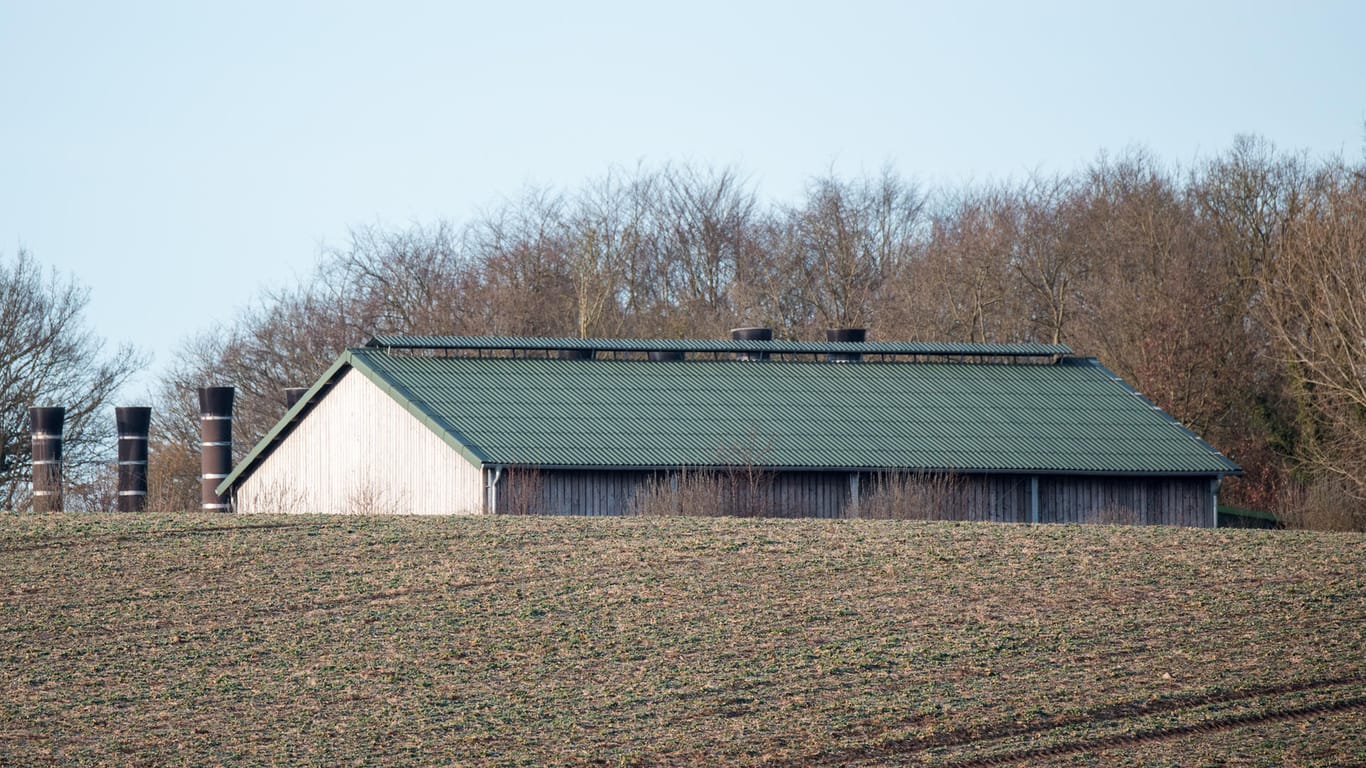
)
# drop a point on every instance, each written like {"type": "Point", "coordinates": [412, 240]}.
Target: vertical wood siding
{"type": "Point", "coordinates": [996, 498]}
{"type": "Point", "coordinates": [604, 493]}
{"type": "Point", "coordinates": [1137, 501]}
{"type": "Point", "coordinates": [358, 451]}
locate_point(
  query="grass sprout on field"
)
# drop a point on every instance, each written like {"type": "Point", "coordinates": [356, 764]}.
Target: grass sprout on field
{"type": "Point", "coordinates": [652, 640]}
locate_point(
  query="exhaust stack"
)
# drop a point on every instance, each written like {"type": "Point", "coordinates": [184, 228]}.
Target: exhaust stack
{"type": "Point", "coordinates": [46, 429]}
{"type": "Point", "coordinates": [215, 447]}
{"type": "Point", "coordinates": [751, 334]}
{"type": "Point", "coordinates": [133, 424]}
{"type": "Point", "coordinates": [845, 334]}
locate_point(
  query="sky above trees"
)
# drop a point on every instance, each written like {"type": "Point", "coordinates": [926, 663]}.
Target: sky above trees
{"type": "Point", "coordinates": [180, 158]}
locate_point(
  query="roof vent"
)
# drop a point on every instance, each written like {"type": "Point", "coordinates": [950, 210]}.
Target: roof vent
{"type": "Point", "coordinates": [667, 355]}
{"type": "Point", "coordinates": [751, 334]}
{"type": "Point", "coordinates": [845, 334]}
{"type": "Point", "coordinates": [575, 354]}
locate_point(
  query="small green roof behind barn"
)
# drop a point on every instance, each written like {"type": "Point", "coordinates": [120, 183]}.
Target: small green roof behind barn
{"type": "Point", "coordinates": [1069, 416]}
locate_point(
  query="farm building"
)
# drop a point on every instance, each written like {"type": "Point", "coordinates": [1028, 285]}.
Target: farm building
{"type": "Point", "coordinates": [468, 425]}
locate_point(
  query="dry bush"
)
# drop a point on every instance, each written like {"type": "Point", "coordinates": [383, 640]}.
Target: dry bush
{"type": "Point", "coordinates": [1322, 504]}
{"type": "Point", "coordinates": [910, 496]}
{"type": "Point", "coordinates": [732, 492]}
{"type": "Point", "coordinates": [172, 477]}
{"type": "Point", "coordinates": [521, 493]}
{"type": "Point", "coordinates": [95, 491]}
{"type": "Point", "coordinates": [290, 499]}
{"type": "Point", "coordinates": [370, 498]}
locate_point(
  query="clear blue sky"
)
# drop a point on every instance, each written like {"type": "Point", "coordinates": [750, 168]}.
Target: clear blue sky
{"type": "Point", "coordinates": [153, 149]}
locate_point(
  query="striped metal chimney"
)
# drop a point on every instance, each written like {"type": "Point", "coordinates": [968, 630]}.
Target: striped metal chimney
{"type": "Point", "coordinates": [751, 334]}
{"type": "Point", "coordinates": [215, 447]}
{"type": "Point", "coordinates": [133, 423]}
{"type": "Point", "coordinates": [46, 428]}
{"type": "Point", "coordinates": [845, 334]}
{"type": "Point", "coordinates": [293, 395]}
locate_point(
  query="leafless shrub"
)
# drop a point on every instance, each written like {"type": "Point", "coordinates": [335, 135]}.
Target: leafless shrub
{"type": "Point", "coordinates": [92, 491]}
{"type": "Point", "coordinates": [370, 498]}
{"type": "Point", "coordinates": [1322, 504]}
{"type": "Point", "coordinates": [744, 491]}
{"type": "Point", "coordinates": [910, 496]}
{"type": "Point", "coordinates": [289, 499]}
{"type": "Point", "coordinates": [522, 492]}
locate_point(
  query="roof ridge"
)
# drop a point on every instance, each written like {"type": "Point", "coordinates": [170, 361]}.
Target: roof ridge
{"type": "Point", "coordinates": [718, 346]}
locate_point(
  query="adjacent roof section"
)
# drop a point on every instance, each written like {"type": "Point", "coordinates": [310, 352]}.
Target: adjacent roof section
{"type": "Point", "coordinates": [548, 344]}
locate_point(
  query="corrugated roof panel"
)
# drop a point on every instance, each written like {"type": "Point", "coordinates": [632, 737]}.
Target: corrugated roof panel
{"type": "Point", "coordinates": [920, 415]}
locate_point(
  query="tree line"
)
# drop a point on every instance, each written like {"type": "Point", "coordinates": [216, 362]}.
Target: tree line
{"type": "Point", "coordinates": [1229, 292]}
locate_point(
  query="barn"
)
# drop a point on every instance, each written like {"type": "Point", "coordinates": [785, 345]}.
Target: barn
{"type": "Point", "coordinates": [495, 425]}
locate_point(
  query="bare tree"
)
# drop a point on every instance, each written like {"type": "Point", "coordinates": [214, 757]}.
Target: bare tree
{"type": "Point", "coordinates": [49, 357]}
{"type": "Point", "coordinates": [609, 252]}
{"type": "Point", "coordinates": [704, 224]}
{"type": "Point", "coordinates": [1052, 260]}
{"type": "Point", "coordinates": [1313, 292]}
{"type": "Point", "coordinates": [525, 283]}
{"type": "Point", "coordinates": [961, 284]}
{"type": "Point", "coordinates": [848, 240]}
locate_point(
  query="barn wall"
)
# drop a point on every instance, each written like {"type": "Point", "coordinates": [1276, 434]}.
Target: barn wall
{"type": "Point", "coordinates": [1133, 500]}
{"type": "Point", "coordinates": [996, 498]}
{"type": "Point", "coordinates": [599, 493]}
{"type": "Point", "coordinates": [559, 492]}
{"type": "Point", "coordinates": [358, 451]}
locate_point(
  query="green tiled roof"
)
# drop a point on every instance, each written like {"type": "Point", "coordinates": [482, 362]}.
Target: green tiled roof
{"type": "Point", "coordinates": [1070, 417]}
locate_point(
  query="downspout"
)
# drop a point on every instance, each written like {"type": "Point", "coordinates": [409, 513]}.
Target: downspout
{"type": "Point", "coordinates": [1033, 498]}
{"type": "Point", "coordinates": [853, 495]}
{"type": "Point", "coordinates": [491, 493]}
{"type": "Point", "coordinates": [1214, 484]}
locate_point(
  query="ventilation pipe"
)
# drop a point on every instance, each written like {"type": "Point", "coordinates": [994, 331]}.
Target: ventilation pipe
{"type": "Point", "coordinates": [46, 428]}
{"type": "Point", "coordinates": [133, 424]}
{"type": "Point", "coordinates": [215, 447]}
{"type": "Point", "coordinates": [841, 335]}
{"type": "Point", "coordinates": [294, 395]}
{"type": "Point", "coordinates": [751, 334]}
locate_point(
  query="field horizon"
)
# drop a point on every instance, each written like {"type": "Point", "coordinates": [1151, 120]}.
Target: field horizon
{"type": "Point", "coordinates": [308, 640]}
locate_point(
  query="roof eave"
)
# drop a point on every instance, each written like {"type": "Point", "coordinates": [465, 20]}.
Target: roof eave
{"type": "Point", "coordinates": [1025, 472]}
